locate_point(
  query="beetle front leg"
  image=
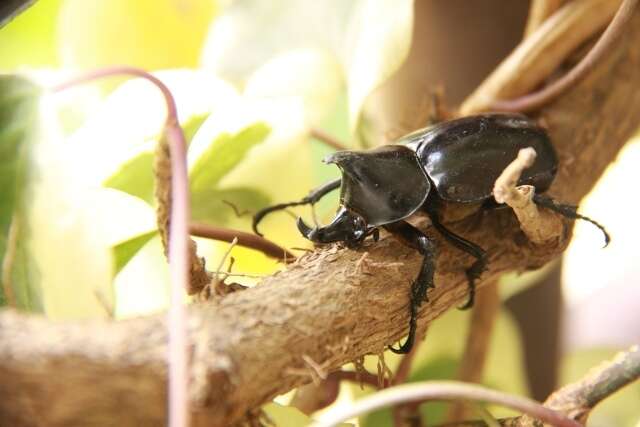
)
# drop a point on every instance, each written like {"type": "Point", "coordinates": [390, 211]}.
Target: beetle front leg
{"type": "Point", "coordinates": [425, 245]}
{"type": "Point", "coordinates": [311, 199]}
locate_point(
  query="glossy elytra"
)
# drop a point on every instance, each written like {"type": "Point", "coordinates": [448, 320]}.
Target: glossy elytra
{"type": "Point", "coordinates": [454, 161]}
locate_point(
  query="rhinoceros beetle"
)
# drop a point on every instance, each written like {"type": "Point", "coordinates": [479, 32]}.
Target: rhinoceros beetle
{"type": "Point", "coordinates": [456, 161]}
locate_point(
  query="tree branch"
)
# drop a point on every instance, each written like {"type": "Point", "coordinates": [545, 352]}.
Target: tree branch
{"type": "Point", "coordinates": [576, 400]}
{"type": "Point", "coordinates": [331, 306]}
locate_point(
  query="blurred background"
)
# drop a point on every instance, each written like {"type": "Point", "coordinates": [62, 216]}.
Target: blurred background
{"type": "Point", "coordinates": [252, 78]}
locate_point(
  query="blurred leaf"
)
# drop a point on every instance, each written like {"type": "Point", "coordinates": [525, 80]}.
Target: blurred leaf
{"type": "Point", "coordinates": [368, 38]}
{"type": "Point", "coordinates": [286, 416]}
{"type": "Point", "coordinates": [123, 252]}
{"type": "Point", "coordinates": [223, 155]}
{"type": "Point", "coordinates": [135, 177]}
{"type": "Point", "coordinates": [18, 122]}
{"type": "Point", "coordinates": [312, 75]}
{"type": "Point", "coordinates": [379, 38]}
{"type": "Point", "coordinates": [215, 205]}
{"type": "Point", "coordinates": [251, 32]}
{"type": "Point", "coordinates": [150, 34]}
{"type": "Point", "coordinates": [30, 39]}
{"type": "Point", "coordinates": [191, 126]}
{"type": "Point", "coordinates": [207, 206]}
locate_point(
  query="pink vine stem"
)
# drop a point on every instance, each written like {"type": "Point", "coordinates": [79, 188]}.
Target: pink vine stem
{"type": "Point", "coordinates": [442, 390]}
{"type": "Point", "coordinates": [178, 240]}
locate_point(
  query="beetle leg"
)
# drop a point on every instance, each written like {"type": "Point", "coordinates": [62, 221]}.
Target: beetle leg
{"type": "Point", "coordinates": [311, 199]}
{"type": "Point", "coordinates": [473, 273]}
{"type": "Point", "coordinates": [423, 244]}
{"type": "Point", "coordinates": [568, 211]}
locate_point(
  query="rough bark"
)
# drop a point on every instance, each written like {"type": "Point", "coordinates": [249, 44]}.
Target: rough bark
{"type": "Point", "coordinates": [332, 306]}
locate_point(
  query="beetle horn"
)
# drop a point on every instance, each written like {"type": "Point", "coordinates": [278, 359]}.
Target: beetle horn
{"type": "Point", "coordinates": [308, 232]}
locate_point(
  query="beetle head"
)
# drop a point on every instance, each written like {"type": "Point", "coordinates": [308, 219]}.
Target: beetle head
{"type": "Point", "coordinates": [347, 227]}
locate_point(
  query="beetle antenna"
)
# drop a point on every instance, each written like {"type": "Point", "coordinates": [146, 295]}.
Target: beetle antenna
{"type": "Point", "coordinates": [569, 211]}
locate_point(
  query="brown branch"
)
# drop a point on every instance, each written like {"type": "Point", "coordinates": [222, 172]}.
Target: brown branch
{"type": "Point", "coordinates": [539, 11]}
{"type": "Point", "coordinates": [576, 400]}
{"type": "Point", "coordinates": [483, 317]}
{"type": "Point", "coordinates": [605, 43]}
{"type": "Point", "coordinates": [242, 346]}
{"type": "Point", "coordinates": [542, 53]}
{"type": "Point", "coordinates": [248, 240]}
{"type": "Point", "coordinates": [327, 139]}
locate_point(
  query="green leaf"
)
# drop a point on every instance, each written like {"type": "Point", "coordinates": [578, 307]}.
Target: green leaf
{"type": "Point", "coordinates": [223, 155]}
{"type": "Point", "coordinates": [215, 206]}
{"type": "Point", "coordinates": [18, 121]}
{"type": "Point", "coordinates": [207, 206]}
{"type": "Point", "coordinates": [135, 177]}
{"type": "Point", "coordinates": [191, 126]}
{"type": "Point", "coordinates": [125, 251]}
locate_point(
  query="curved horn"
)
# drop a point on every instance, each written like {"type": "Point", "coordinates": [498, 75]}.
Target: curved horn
{"type": "Point", "coordinates": [306, 231]}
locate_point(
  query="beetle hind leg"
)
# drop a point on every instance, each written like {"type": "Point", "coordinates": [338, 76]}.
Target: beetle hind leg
{"type": "Point", "coordinates": [568, 211]}
{"type": "Point", "coordinates": [474, 272]}
{"type": "Point", "coordinates": [423, 244]}
{"type": "Point", "coordinates": [311, 199]}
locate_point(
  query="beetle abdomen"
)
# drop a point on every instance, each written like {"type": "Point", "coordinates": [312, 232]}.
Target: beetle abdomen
{"type": "Point", "coordinates": [464, 157]}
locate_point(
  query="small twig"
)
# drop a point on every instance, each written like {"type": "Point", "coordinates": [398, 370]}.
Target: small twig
{"type": "Point", "coordinates": [236, 210]}
{"type": "Point", "coordinates": [540, 226]}
{"type": "Point", "coordinates": [578, 399]}
{"type": "Point", "coordinates": [443, 390]}
{"type": "Point", "coordinates": [359, 377]}
{"type": "Point", "coordinates": [225, 256]}
{"type": "Point", "coordinates": [318, 371]}
{"type": "Point", "coordinates": [478, 342]}
{"type": "Point", "coordinates": [248, 240]}
{"type": "Point", "coordinates": [250, 276]}
{"type": "Point", "coordinates": [384, 373]}
{"type": "Point", "coordinates": [327, 139]}
{"type": "Point", "coordinates": [218, 282]}
{"type": "Point", "coordinates": [611, 35]}
{"type": "Point", "coordinates": [504, 189]}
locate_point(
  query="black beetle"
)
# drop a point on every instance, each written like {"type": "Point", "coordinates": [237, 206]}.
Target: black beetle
{"type": "Point", "coordinates": [454, 161]}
